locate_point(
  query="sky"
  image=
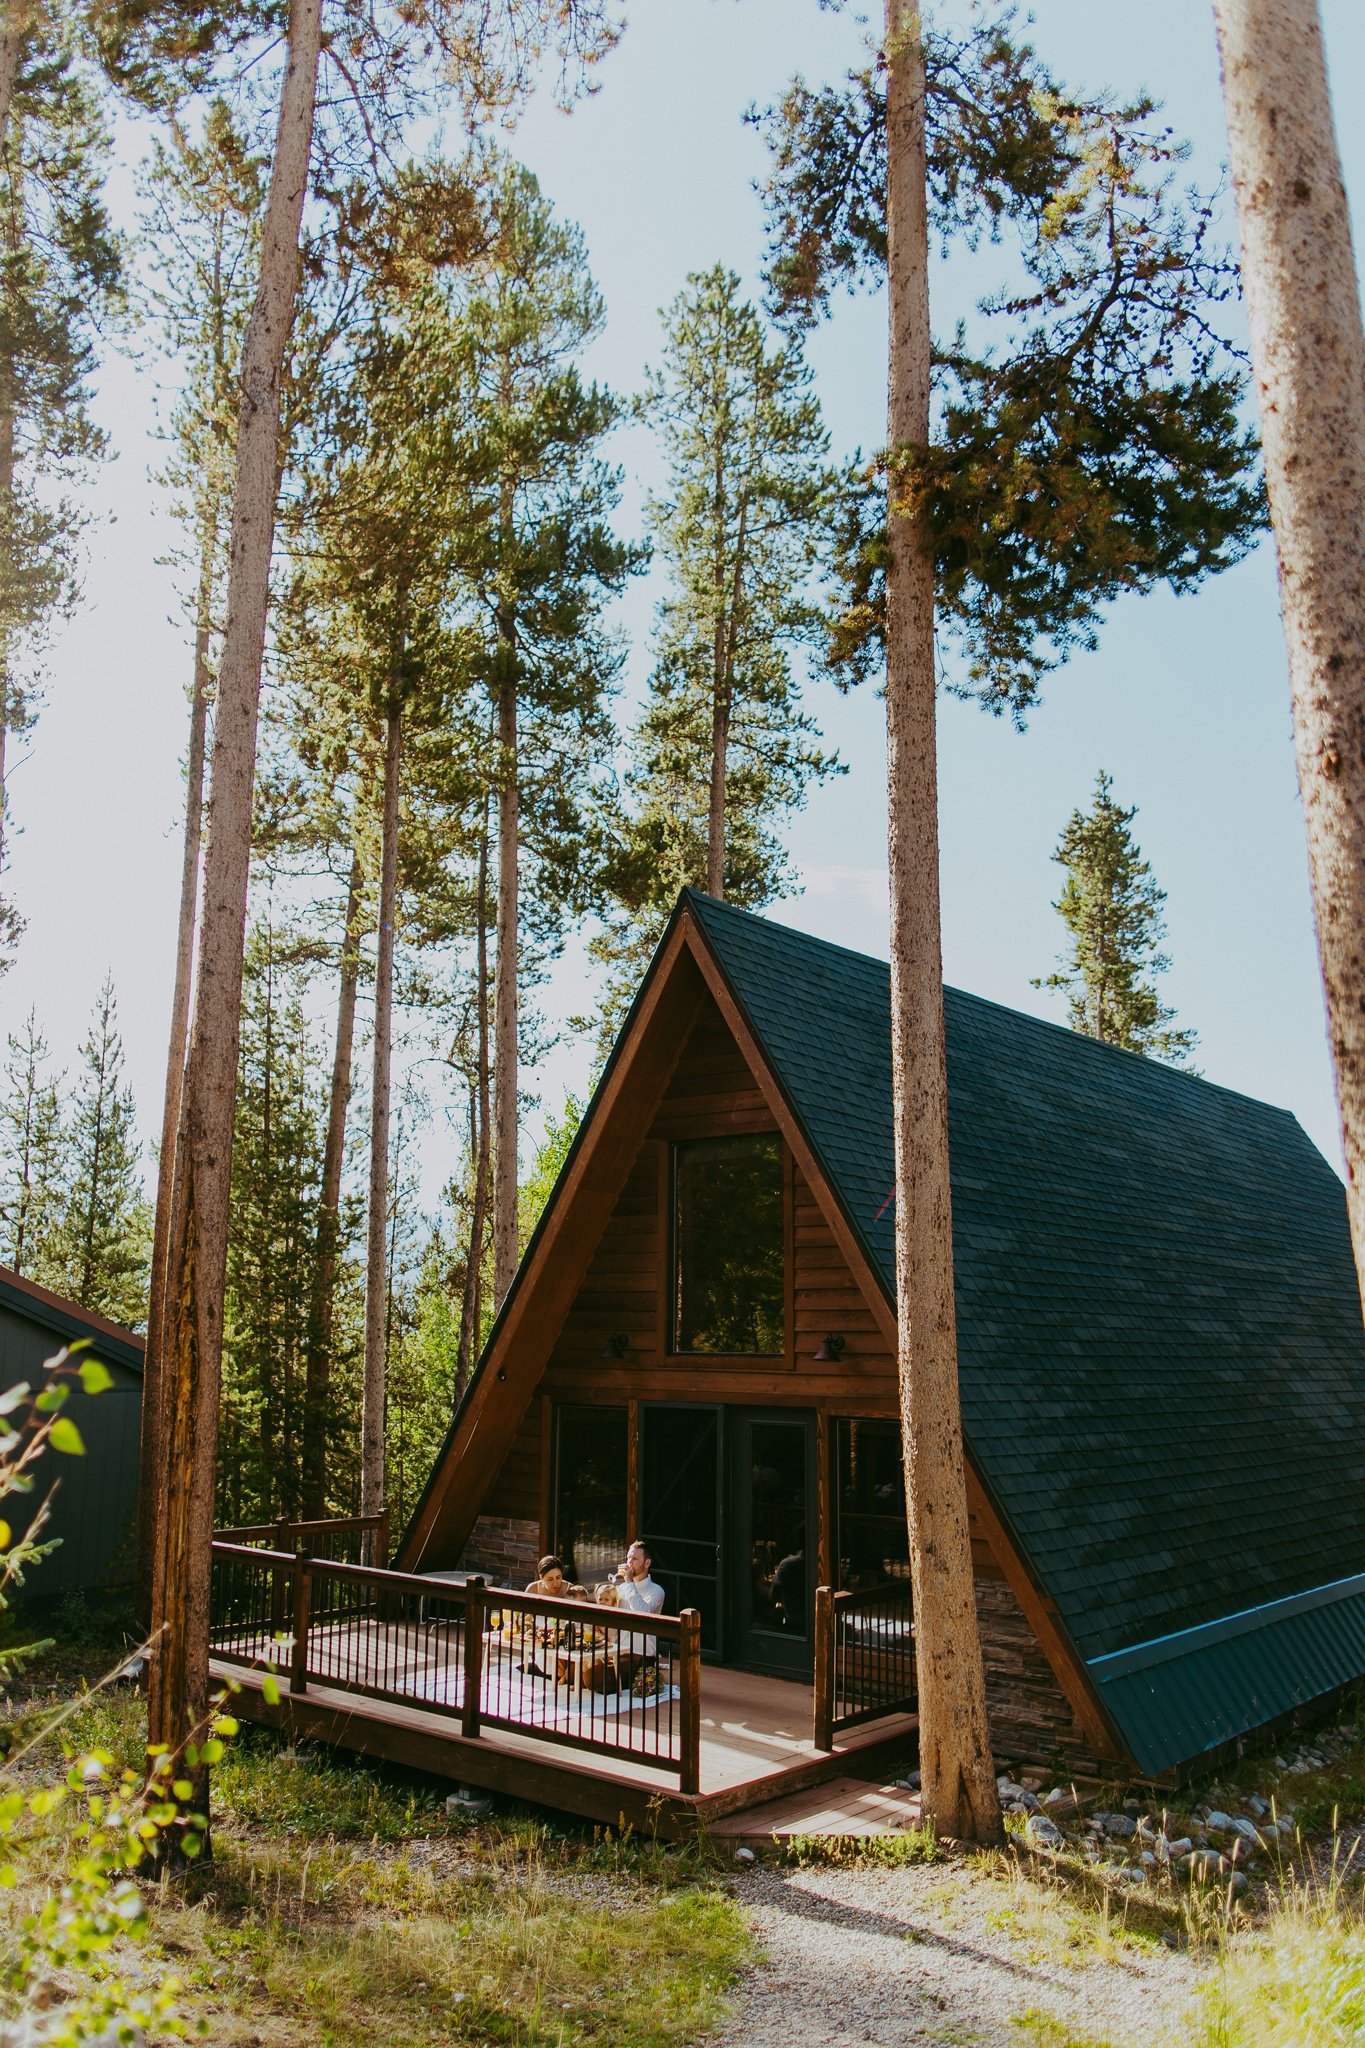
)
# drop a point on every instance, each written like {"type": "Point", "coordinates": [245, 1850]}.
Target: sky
{"type": "Point", "coordinates": [1185, 702]}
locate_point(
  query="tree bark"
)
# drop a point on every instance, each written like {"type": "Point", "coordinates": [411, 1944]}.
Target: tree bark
{"type": "Point", "coordinates": [720, 750]}
{"type": "Point", "coordinates": [1308, 352]}
{"type": "Point", "coordinates": [152, 1375]}
{"type": "Point", "coordinates": [196, 1257]}
{"type": "Point", "coordinates": [318, 1361]}
{"type": "Point", "coordinates": [12, 26]}
{"type": "Point", "coordinates": [505, 1076]}
{"type": "Point", "coordinates": [958, 1775]}
{"type": "Point", "coordinates": [722, 704]}
{"type": "Point", "coordinates": [471, 1305]}
{"type": "Point", "coordinates": [376, 1291]}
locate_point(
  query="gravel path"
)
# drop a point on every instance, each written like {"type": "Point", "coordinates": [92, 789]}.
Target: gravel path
{"type": "Point", "coordinates": [938, 1955]}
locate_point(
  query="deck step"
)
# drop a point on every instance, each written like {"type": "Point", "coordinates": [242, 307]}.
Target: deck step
{"type": "Point", "coordinates": [841, 1806]}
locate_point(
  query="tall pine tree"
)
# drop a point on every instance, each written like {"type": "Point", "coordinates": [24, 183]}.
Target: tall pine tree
{"type": "Point", "coordinates": [539, 560]}
{"type": "Point", "coordinates": [724, 749]}
{"type": "Point", "coordinates": [1080, 439]}
{"type": "Point", "coordinates": [1112, 907]}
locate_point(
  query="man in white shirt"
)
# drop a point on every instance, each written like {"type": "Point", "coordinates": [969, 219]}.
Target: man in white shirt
{"type": "Point", "coordinates": [640, 1592]}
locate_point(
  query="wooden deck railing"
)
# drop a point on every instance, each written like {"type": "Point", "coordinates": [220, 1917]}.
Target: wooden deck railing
{"type": "Point", "coordinates": [864, 1657]}
{"type": "Point", "coordinates": [596, 1678]}
{"type": "Point", "coordinates": [345, 1539]}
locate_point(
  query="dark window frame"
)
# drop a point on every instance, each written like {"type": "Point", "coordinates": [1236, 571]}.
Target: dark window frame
{"type": "Point", "coordinates": [706, 1132]}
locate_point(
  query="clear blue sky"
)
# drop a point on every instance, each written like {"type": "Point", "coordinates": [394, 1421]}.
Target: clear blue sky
{"type": "Point", "coordinates": [1185, 703]}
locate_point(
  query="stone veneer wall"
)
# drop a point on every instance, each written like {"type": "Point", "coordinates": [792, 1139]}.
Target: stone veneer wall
{"type": "Point", "coordinates": [1031, 1717]}
{"type": "Point", "coordinates": [503, 1548]}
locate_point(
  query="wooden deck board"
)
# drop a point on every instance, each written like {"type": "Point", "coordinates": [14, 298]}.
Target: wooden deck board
{"type": "Point", "coordinates": [755, 1746]}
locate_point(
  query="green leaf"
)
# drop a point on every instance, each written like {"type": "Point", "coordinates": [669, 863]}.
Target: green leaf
{"type": "Point", "coordinates": [270, 1689]}
{"type": "Point", "coordinates": [51, 1399]}
{"type": "Point", "coordinates": [95, 1377]}
{"type": "Point", "coordinates": [66, 1437]}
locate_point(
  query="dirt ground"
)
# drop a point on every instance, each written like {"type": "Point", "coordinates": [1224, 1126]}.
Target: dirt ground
{"type": "Point", "coordinates": [943, 1954]}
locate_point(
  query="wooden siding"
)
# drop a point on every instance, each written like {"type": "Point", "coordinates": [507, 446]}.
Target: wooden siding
{"type": "Point", "coordinates": [95, 1503]}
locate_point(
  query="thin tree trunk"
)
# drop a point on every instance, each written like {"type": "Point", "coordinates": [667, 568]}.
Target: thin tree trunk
{"type": "Point", "coordinates": [372, 1400]}
{"type": "Point", "coordinates": [505, 1077]}
{"type": "Point", "coordinates": [196, 1257]}
{"type": "Point", "coordinates": [12, 28]}
{"type": "Point", "coordinates": [720, 749]}
{"type": "Point", "coordinates": [152, 1375]}
{"type": "Point", "coordinates": [1308, 352]}
{"type": "Point", "coordinates": [722, 704]}
{"type": "Point", "coordinates": [471, 1304]}
{"type": "Point", "coordinates": [958, 1776]}
{"type": "Point", "coordinates": [321, 1312]}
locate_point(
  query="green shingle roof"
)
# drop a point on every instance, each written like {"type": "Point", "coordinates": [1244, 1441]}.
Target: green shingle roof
{"type": "Point", "coordinates": [1160, 1343]}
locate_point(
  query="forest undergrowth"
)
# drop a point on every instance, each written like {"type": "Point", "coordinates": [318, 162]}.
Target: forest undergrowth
{"type": "Point", "coordinates": [343, 1904]}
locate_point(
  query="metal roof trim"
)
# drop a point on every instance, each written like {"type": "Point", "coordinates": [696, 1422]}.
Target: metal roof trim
{"type": "Point", "coordinates": [1162, 1649]}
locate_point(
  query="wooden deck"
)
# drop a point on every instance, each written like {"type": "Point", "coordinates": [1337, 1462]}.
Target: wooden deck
{"type": "Point", "coordinates": [756, 1748]}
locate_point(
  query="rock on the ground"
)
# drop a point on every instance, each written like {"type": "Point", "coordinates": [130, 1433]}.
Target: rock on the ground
{"type": "Point", "coordinates": [1121, 1827]}
{"type": "Point", "coordinates": [1042, 1832]}
{"type": "Point", "coordinates": [1061, 1799]}
{"type": "Point", "coordinates": [1219, 1823]}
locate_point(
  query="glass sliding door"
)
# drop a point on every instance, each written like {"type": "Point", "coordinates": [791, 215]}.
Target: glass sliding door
{"type": "Point", "coordinates": [680, 1466]}
{"type": "Point", "coordinates": [772, 1530]}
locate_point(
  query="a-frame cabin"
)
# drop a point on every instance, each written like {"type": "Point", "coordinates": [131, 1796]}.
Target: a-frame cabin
{"type": "Point", "coordinates": [1162, 1362]}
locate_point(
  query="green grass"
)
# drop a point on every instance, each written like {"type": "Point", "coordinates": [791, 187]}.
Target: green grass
{"type": "Point", "coordinates": [858, 1852]}
{"type": "Point", "coordinates": [345, 1908]}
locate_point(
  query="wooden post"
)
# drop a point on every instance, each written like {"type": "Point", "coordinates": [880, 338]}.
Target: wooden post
{"type": "Point", "coordinates": [279, 1541]}
{"type": "Point", "coordinates": [824, 1667]}
{"type": "Point", "coordinates": [689, 1703]}
{"type": "Point", "coordinates": [381, 1541]}
{"type": "Point", "coordinates": [303, 1600]}
{"type": "Point", "coordinates": [475, 1608]}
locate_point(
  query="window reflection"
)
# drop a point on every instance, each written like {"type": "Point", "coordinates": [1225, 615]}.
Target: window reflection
{"type": "Point", "coordinates": [777, 1519]}
{"type": "Point", "coordinates": [729, 1246]}
{"type": "Point", "coordinates": [590, 1534]}
{"type": "Point", "coordinates": [873, 1543]}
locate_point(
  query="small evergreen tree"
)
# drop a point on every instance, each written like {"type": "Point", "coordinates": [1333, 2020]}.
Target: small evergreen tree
{"type": "Point", "coordinates": [276, 1170]}
{"type": "Point", "coordinates": [102, 1239]}
{"type": "Point", "coordinates": [30, 1154]}
{"type": "Point", "coordinates": [1111, 905]}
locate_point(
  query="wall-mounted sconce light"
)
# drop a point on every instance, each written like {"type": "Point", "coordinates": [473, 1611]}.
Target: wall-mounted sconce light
{"type": "Point", "coordinates": [616, 1347]}
{"type": "Point", "coordinates": [832, 1350]}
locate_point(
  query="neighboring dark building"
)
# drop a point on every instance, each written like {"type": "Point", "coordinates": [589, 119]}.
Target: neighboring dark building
{"type": "Point", "coordinates": [95, 1504]}
{"type": "Point", "coordinates": [1160, 1340]}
